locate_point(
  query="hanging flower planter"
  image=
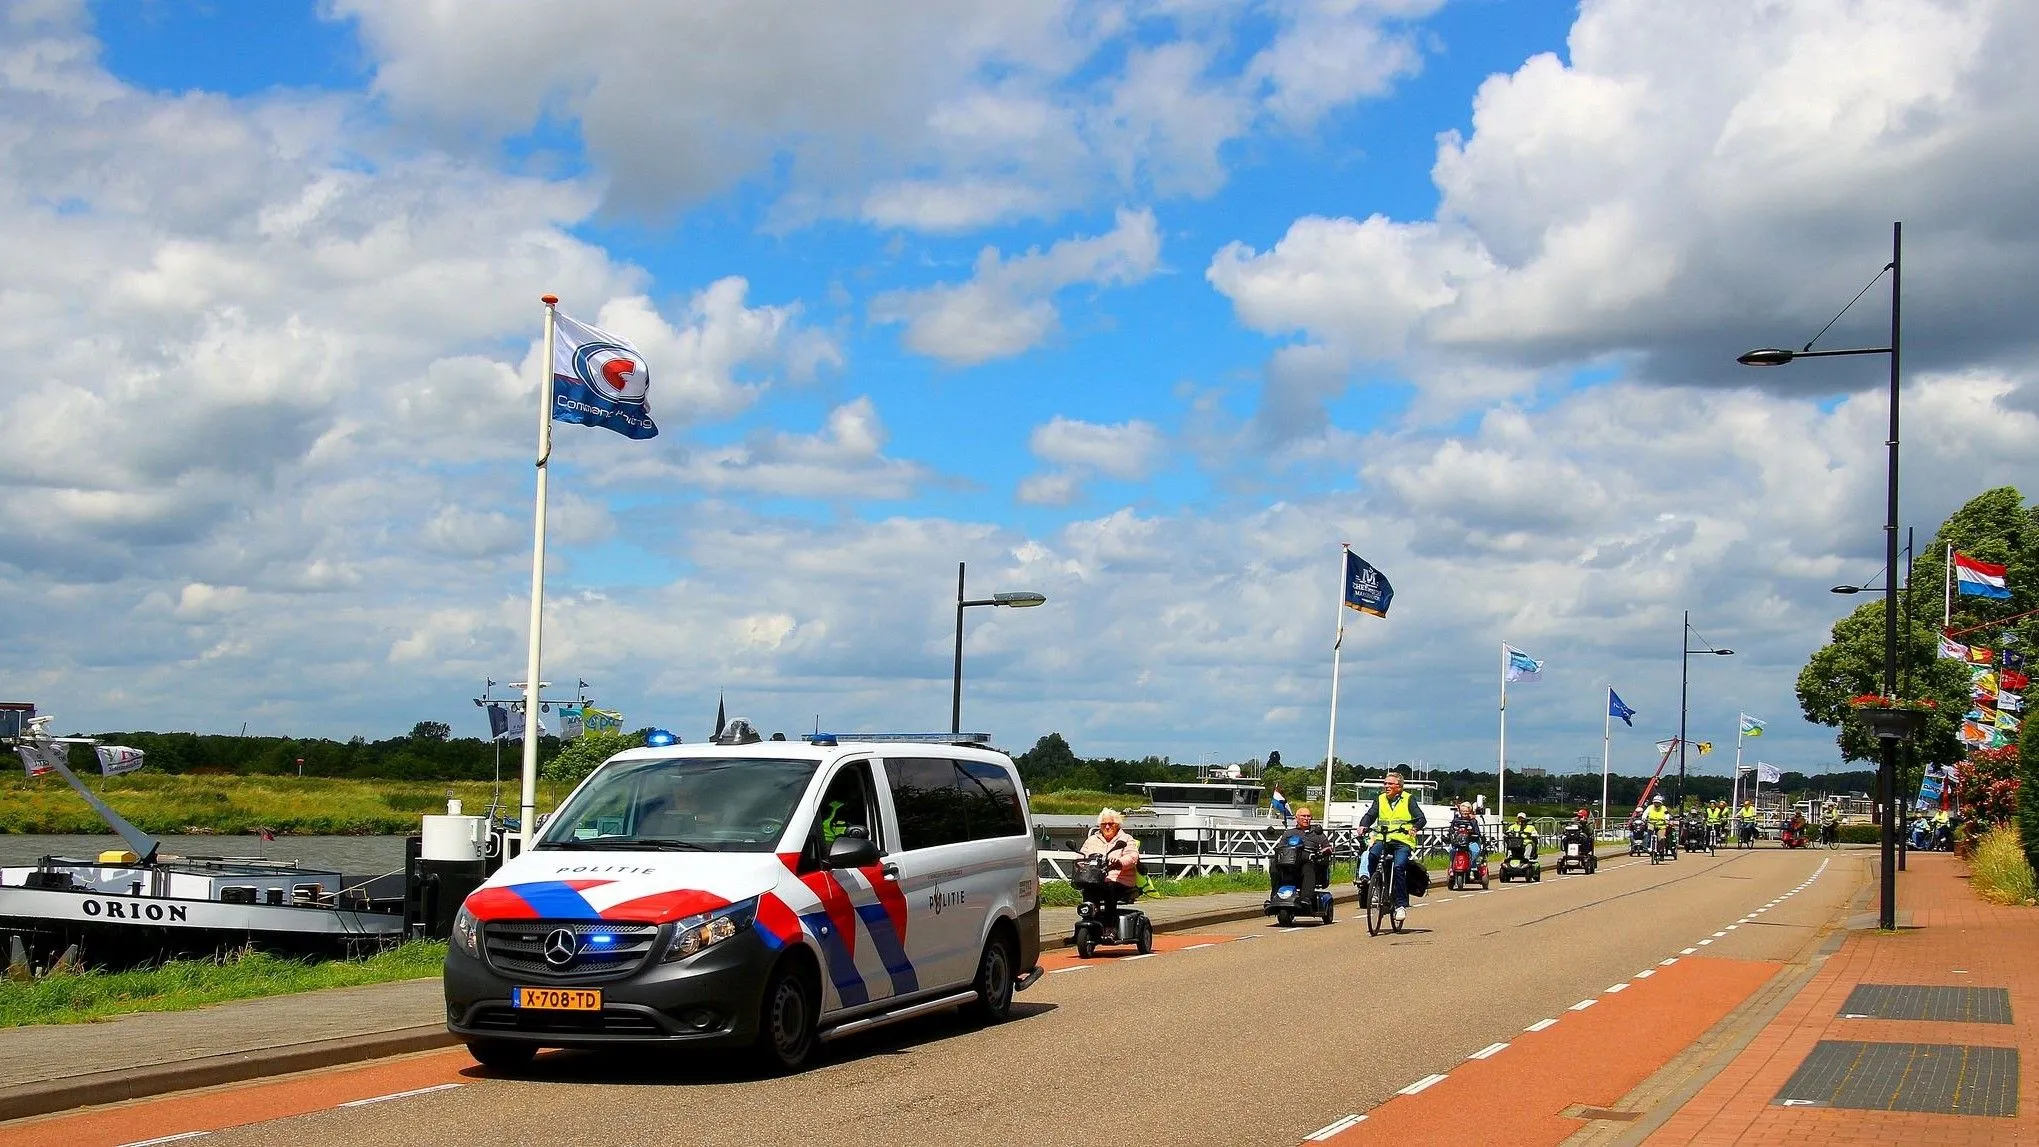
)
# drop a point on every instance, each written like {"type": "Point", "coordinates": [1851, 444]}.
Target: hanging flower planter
{"type": "Point", "coordinates": [1892, 718]}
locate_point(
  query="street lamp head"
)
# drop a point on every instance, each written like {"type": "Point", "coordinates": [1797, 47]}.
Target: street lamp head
{"type": "Point", "coordinates": [1723, 652]}
{"type": "Point", "coordinates": [1020, 600]}
{"type": "Point", "coordinates": [1768, 356]}
{"type": "Point", "coordinates": [1846, 589]}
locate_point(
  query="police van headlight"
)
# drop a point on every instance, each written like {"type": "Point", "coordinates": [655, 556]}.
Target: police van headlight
{"type": "Point", "coordinates": [467, 931]}
{"type": "Point", "coordinates": [697, 933]}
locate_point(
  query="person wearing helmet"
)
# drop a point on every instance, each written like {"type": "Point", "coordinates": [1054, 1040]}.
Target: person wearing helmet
{"type": "Point", "coordinates": [1657, 820]}
{"type": "Point", "coordinates": [1522, 835]}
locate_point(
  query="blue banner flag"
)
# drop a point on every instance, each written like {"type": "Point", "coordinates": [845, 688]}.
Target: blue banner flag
{"type": "Point", "coordinates": [1521, 666]}
{"type": "Point", "coordinates": [1366, 588]}
{"type": "Point", "coordinates": [599, 379]}
{"type": "Point", "coordinates": [1616, 707]}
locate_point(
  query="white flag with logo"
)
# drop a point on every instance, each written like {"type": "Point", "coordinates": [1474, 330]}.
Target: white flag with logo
{"type": "Point", "coordinates": [117, 759]}
{"type": "Point", "coordinates": [40, 759]}
{"type": "Point", "coordinates": [1768, 774]}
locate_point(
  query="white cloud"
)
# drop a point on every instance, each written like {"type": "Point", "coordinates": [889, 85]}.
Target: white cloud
{"type": "Point", "coordinates": [1007, 307]}
{"type": "Point", "coordinates": [844, 462]}
{"type": "Point", "coordinates": [936, 115]}
{"type": "Point", "coordinates": [1688, 183]}
{"type": "Point", "coordinates": [1129, 451]}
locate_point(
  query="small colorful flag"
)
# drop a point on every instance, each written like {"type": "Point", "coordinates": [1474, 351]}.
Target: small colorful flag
{"type": "Point", "coordinates": [1521, 666]}
{"type": "Point", "coordinates": [1617, 708]}
{"type": "Point", "coordinates": [2006, 723]}
{"type": "Point", "coordinates": [1752, 727]}
{"type": "Point", "coordinates": [40, 759]}
{"type": "Point", "coordinates": [1768, 774]}
{"type": "Point", "coordinates": [595, 720]}
{"type": "Point", "coordinates": [1704, 747]}
{"type": "Point", "coordinates": [1976, 578]}
{"type": "Point", "coordinates": [1952, 648]}
{"type": "Point", "coordinates": [2013, 680]}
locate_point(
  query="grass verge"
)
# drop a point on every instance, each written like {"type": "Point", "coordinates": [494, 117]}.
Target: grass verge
{"type": "Point", "coordinates": [231, 805]}
{"type": "Point", "coordinates": [1998, 869]}
{"type": "Point", "coordinates": [184, 984]}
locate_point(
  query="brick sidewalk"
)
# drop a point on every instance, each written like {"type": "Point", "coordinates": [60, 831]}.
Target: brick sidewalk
{"type": "Point", "coordinates": [1955, 940]}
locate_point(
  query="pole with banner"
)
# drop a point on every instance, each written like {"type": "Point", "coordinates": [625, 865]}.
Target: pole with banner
{"type": "Point", "coordinates": [1366, 589]}
{"type": "Point", "coordinates": [1616, 707]}
{"type": "Point", "coordinates": [592, 378]}
{"type": "Point", "coordinates": [1515, 666]}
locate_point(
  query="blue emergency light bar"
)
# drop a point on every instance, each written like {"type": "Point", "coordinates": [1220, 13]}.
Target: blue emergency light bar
{"type": "Point", "coordinates": [913, 738]}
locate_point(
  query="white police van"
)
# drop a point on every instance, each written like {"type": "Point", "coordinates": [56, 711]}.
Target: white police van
{"type": "Point", "coordinates": [768, 894]}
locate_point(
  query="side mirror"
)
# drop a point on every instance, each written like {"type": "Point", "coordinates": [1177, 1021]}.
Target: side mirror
{"type": "Point", "coordinates": [848, 851]}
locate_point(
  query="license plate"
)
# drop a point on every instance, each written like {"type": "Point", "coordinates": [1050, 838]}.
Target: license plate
{"type": "Point", "coordinates": [558, 999]}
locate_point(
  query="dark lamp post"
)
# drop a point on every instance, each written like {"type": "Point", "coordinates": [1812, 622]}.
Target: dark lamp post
{"type": "Point", "coordinates": [1019, 599]}
{"type": "Point", "coordinates": [1684, 681]}
{"type": "Point", "coordinates": [1886, 774]}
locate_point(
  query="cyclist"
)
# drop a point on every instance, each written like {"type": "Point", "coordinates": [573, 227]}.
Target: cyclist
{"type": "Point", "coordinates": [1716, 822]}
{"type": "Point", "coordinates": [1830, 825]}
{"type": "Point", "coordinates": [1657, 821]}
{"type": "Point", "coordinates": [1747, 819]}
{"type": "Point", "coordinates": [1396, 817]}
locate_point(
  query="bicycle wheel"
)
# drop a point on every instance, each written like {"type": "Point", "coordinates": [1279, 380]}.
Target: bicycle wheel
{"type": "Point", "coordinates": [1376, 902]}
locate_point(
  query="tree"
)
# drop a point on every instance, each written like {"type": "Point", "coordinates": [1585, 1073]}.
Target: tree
{"type": "Point", "coordinates": [431, 731]}
{"type": "Point", "coordinates": [1274, 758]}
{"type": "Point", "coordinates": [1990, 526]}
{"type": "Point", "coordinates": [580, 756]}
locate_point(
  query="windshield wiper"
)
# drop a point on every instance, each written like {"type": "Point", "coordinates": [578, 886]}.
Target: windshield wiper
{"type": "Point", "coordinates": [629, 844]}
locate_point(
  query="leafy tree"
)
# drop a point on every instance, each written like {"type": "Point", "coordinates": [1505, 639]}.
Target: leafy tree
{"type": "Point", "coordinates": [431, 731]}
{"type": "Point", "coordinates": [1991, 526]}
{"type": "Point", "coordinates": [580, 756]}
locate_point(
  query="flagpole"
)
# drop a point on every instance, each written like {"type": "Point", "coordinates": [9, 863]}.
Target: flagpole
{"type": "Point", "coordinates": [1337, 643]}
{"type": "Point", "coordinates": [527, 816]}
{"type": "Point", "coordinates": [1947, 594]}
{"type": "Point", "coordinates": [1606, 742]}
{"type": "Point", "coordinates": [1501, 773]}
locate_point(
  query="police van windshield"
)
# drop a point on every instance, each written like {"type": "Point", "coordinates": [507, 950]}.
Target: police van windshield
{"type": "Point", "coordinates": [687, 804]}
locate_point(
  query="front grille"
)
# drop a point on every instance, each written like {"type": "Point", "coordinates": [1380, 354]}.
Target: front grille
{"type": "Point", "coordinates": [602, 951]}
{"type": "Point", "coordinates": [608, 1021]}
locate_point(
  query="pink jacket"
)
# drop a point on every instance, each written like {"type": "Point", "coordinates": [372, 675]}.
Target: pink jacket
{"type": "Point", "coordinates": [1125, 857]}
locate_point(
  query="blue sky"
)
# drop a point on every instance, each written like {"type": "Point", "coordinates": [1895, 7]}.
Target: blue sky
{"type": "Point", "coordinates": [1144, 305]}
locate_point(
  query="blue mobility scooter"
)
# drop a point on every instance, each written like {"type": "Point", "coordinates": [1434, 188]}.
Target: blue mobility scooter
{"type": "Point", "coordinates": [1296, 881]}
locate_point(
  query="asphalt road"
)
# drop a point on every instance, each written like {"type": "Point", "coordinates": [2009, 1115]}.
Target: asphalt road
{"type": "Point", "coordinates": [1254, 1035]}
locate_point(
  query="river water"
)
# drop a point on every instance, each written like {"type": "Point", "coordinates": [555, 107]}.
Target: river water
{"type": "Point", "coordinates": [352, 855]}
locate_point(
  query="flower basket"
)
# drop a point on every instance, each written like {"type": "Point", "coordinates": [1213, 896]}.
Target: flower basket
{"type": "Point", "coordinates": [1892, 718]}
{"type": "Point", "coordinates": [1892, 724]}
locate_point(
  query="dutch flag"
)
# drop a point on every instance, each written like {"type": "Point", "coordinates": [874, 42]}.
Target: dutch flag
{"type": "Point", "coordinates": [1979, 579]}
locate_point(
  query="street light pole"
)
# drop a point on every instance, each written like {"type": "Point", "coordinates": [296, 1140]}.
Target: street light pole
{"type": "Point", "coordinates": [1886, 773]}
{"type": "Point", "coordinates": [1685, 652]}
{"type": "Point", "coordinates": [1016, 600]}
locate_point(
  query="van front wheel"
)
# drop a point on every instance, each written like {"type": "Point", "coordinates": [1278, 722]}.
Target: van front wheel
{"type": "Point", "coordinates": [994, 982]}
{"type": "Point", "coordinates": [502, 1055]}
{"type": "Point", "coordinates": [787, 1021]}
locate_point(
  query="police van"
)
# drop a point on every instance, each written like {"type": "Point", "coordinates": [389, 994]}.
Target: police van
{"type": "Point", "coordinates": [765, 894]}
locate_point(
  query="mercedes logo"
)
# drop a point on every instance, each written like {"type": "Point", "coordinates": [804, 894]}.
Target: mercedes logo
{"type": "Point", "coordinates": [561, 946]}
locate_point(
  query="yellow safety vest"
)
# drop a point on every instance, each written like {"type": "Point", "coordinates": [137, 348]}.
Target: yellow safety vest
{"type": "Point", "coordinates": [1748, 812]}
{"type": "Point", "coordinates": [1656, 815]}
{"type": "Point", "coordinates": [1713, 815]}
{"type": "Point", "coordinates": [1393, 819]}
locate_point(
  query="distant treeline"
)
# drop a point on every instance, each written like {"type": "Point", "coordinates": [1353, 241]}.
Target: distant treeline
{"type": "Point", "coordinates": [427, 754]}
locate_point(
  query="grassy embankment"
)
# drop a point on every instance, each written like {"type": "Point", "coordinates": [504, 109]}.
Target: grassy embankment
{"type": "Point", "coordinates": [1998, 869]}
{"type": "Point", "coordinates": [227, 805]}
{"type": "Point", "coordinates": [183, 984]}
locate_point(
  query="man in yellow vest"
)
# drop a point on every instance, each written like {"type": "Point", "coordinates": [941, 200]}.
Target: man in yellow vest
{"type": "Point", "coordinates": [1395, 818]}
{"type": "Point", "coordinates": [1657, 819]}
{"type": "Point", "coordinates": [1748, 822]}
{"type": "Point", "coordinates": [1716, 822]}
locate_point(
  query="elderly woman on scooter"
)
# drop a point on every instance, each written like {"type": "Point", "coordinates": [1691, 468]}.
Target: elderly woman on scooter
{"type": "Point", "coordinates": [1122, 856]}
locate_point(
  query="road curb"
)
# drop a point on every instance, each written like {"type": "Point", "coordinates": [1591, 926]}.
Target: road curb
{"type": "Point", "coordinates": [27, 1100]}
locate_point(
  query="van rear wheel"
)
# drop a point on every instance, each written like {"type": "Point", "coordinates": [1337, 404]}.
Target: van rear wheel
{"type": "Point", "coordinates": [994, 982]}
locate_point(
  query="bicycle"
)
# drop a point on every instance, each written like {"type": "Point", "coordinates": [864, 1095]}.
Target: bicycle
{"type": "Point", "coordinates": [1379, 895]}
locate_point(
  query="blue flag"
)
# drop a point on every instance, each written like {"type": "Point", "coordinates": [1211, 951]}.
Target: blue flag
{"type": "Point", "coordinates": [1616, 707]}
{"type": "Point", "coordinates": [1521, 666]}
{"type": "Point", "coordinates": [1366, 588]}
{"type": "Point", "coordinates": [599, 379]}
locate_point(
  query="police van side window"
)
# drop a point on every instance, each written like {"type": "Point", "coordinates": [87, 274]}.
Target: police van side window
{"type": "Point", "coordinates": [943, 801]}
{"type": "Point", "coordinates": [994, 800]}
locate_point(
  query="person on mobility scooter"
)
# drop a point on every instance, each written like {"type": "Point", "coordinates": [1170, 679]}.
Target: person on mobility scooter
{"type": "Point", "coordinates": [1108, 877]}
{"type": "Point", "coordinates": [1795, 829]}
{"type": "Point", "coordinates": [1468, 850]}
{"type": "Point", "coordinates": [1521, 862]}
{"type": "Point", "coordinates": [1299, 874]}
{"type": "Point", "coordinates": [1575, 846]}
